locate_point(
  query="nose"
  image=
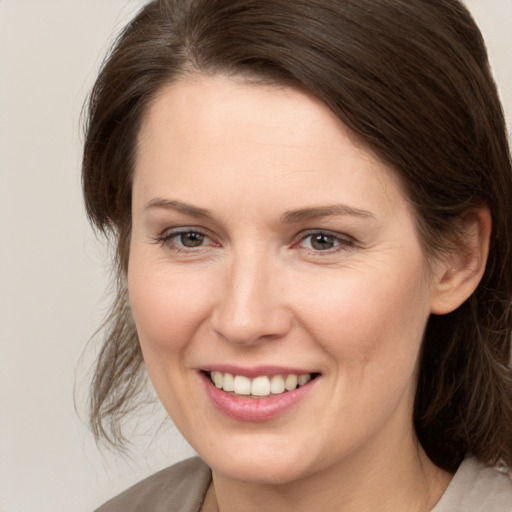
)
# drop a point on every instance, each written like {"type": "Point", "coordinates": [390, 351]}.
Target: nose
{"type": "Point", "coordinates": [251, 303]}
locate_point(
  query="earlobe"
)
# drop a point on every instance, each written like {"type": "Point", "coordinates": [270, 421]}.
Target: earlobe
{"type": "Point", "coordinates": [459, 272]}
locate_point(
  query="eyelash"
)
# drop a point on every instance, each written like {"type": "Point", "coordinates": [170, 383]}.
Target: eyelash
{"type": "Point", "coordinates": [341, 242]}
{"type": "Point", "coordinates": [166, 239]}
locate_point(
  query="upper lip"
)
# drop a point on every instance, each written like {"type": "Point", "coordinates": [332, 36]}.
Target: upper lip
{"type": "Point", "coordinates": [256, 371]}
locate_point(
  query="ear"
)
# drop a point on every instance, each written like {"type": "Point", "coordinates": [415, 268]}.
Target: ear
{"type": "Point", "coordinates": [458, 272]}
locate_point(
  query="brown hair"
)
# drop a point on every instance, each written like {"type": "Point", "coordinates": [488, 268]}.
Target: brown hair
{"type": "Point", "coordinates": [411, 79]}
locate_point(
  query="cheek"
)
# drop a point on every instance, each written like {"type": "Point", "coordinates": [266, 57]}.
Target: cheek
{"type": "Point", "coordinates": [168, 307]}
{"type": "Point", "coordinates": [372, 318]}
{"type": "Point", "coordinates": [167, 310]}
{"type": "Point", "coordinates": [372, 331]}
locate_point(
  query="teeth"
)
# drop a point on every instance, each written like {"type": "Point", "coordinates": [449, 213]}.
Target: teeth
{"type": "Point", "coordinates": [228, 384]}
{"type": "Point", "coordinates": [260, 386]}
{"type": "Point", "coordinates": [242, 385]}
{"type": "Point", "coordinates": [217, 379]}
{"type": "Point", "coordinates": [291, 382]}
{"type": "Point", "coordinates": [277, 385]}
{"type": "Point", "coordinates": [304, 379]}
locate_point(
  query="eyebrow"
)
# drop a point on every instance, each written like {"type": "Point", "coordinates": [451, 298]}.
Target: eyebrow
{"type": "Point", "coordinates": [323, 211]}
{"type": "Point", "coordinates": [187, 209]}
{"type": "Point", "coordinates": [289, 217]}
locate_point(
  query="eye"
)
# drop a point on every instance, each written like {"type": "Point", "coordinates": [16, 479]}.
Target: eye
{"type": "Point", "coordinates": [184, 239]}
{"type": "Point", "coordinates": [189, 239]}
{"type": "Point", "coordinates": [321, 241]}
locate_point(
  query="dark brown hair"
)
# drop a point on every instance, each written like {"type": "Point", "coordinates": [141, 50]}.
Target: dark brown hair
{"type": "Point", "coordinates": [411, 78]}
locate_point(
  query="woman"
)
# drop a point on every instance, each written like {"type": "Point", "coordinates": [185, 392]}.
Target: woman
{"type": "Point", "coordinates": [311, 202]}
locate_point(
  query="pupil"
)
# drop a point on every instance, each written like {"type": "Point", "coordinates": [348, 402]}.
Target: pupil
{"type": "Point", "coordinates": [192, 239]}
{"type": "Point", "coordinates": [322, 242]}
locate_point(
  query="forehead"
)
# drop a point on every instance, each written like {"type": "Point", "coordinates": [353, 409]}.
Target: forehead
{"type": "Point", "coordinates": [254, 138]}
{"type": "Point", "coordinates": [214, 102]}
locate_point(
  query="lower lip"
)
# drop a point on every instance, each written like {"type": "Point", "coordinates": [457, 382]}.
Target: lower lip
{"type": "Point", "coordinates": [255, 409]}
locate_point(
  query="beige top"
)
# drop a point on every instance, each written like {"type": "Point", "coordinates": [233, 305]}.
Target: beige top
{"type": "Point", "coordinates": [182, 487]}
{"type": "Point", "coordinates": [477, 488]}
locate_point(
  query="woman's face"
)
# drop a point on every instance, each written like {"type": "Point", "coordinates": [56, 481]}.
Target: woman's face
{"type": "Point", "coordinates": [268, 246]}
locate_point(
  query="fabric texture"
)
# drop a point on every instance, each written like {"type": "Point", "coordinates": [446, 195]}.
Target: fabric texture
{"type": "Point", "coordinates": [477, 488]}
{"type": "Point", "coordinates": [182, 488]}
{"type": "Point", "coordinates": [179, 488]}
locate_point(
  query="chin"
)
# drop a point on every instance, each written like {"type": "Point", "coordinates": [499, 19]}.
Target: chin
{"type": "Point", "coordinates": [262, 467]}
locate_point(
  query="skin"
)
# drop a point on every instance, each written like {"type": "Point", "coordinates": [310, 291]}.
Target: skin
{"type": "Point", "coordinates": [257, 291]}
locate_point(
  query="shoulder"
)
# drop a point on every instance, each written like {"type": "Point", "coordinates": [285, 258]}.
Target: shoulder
{"type": "Point", "coordinates": [478, 488]}
{"type": "Point", "coordinates": [180, 487]}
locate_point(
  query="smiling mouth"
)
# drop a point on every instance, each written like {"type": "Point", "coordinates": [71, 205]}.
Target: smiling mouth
{"type": "Point", "coordinates": [259, 387]}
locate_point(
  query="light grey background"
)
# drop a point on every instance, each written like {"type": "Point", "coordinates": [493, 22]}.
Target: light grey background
{"type": "Point", "coordinates": [53, 271]}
